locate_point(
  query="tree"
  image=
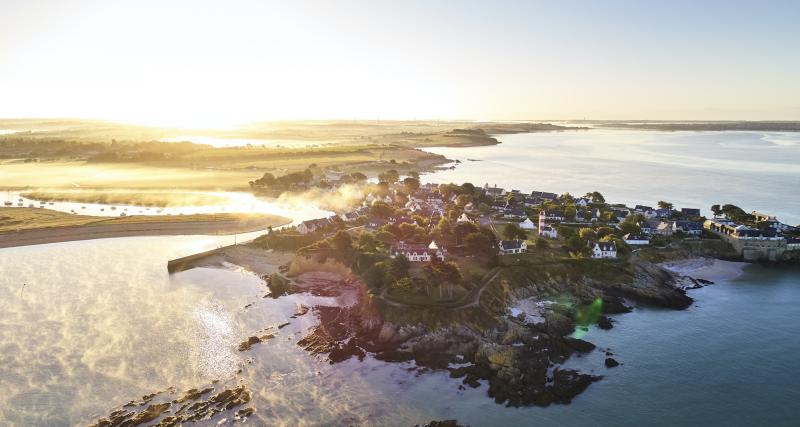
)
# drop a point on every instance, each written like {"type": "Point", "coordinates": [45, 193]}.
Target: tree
{"type": "Point", "coordinates": [404, 285]}
{"type": "Point", "coordinates": [630, 227]}
{"type": "Point", "coordinates": [570, 212]}
{"type": "Point", "coordinates": [367, 242]}
{"type": "Point", "coordinates": [664, 205]}
{"type": "Point", "coordinates": [389, 176]}
{"type": "Point", "coordinates": [358, 176]}
{"type": "Point", "coordinates": [376, 275]}
{"type": "Point", "coordinates": [542, 243]}
{"type": "Point", "coordinates": [342, 242]}
{"type": "Point", "coordinates": [462, 200]}
{"type": "Point", "coordinates": [398, 267]}
{"type": "Point", "coordinates": [716, 210]}
{"type": "Point", "coordinates": [587, 234]}
{"type": "Point", "coordinates": [513, 231]}
{"type": "Point", "coordinates": [597, 197]}
{"type": "Point", "coordinates": [575, 243]}
{"type": "Point", "coordinates": [443, 274]}
{"type": "Point", "coordinates": [603, 232]}
{"type": "Point", "coordinates": [467, 188]}
{"type": "Point", "coordinates": [411, 184]}
{"type": "Point", "coordinates": [380, 210]}
{"type": "Point", "coordinates": [478, 243]}
{"type": "Point", "coordinates": [414, 174]}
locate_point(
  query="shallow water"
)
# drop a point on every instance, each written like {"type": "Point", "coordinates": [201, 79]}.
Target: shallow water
{"type": "Point", "coordinates": [234, 202]}
{"type": "Point", "coordinates": [754, 170]}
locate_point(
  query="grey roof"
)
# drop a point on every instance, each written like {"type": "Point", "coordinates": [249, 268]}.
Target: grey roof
{"type": "Point", "coordinates": [510, 244]}
{"type": "Point", "coordinates": [631, 236]}
{"type": "Point", "coordinates": [604, 246]}
{"type": "Point", "coordinates": [689, 225]}
{"type": "Point", "coordinates": [544, 195]}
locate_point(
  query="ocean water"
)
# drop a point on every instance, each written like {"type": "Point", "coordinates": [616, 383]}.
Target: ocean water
{"type": "Point", "coordinates": [99, 323]}
{"type": "Point", "coordinates": [754, 170]}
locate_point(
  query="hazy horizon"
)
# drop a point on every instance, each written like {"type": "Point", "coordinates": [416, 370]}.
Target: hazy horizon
{"type": "Point", "coordinates": [202, 64]}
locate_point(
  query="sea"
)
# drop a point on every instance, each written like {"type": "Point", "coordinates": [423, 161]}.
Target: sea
{"type": "Point", "coordinates": [88, 326]}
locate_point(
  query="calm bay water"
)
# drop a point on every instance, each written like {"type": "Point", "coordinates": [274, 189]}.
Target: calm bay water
{"type": "Point", "coordinates": [755, 170]}
{"type": "Point", "coordinates": [99, 323]}
{"type": "Point", "coordinates": [86, 326]}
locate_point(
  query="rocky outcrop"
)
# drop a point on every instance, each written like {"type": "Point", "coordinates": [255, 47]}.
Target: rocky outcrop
{"type": "Point", "coordinates": [162, 409]}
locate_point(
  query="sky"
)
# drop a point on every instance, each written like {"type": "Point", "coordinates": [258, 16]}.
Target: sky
{"type": "Point", "coordinates": [216, 63]}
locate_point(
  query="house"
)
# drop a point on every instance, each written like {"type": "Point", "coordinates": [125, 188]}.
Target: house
{"type": "Point", "coordinates": [636, 239]}
{"type": "Point", "coordinates": [691, 212]}
{"type": "Point", "coordinates": [763, 217]}
{"type": "Point", "coordinates": [619, 215]}
{"type": "Point", "coordinates": [664, 229]}
{"type": "Point", "coordinates": [542, 195]}
{"type": "Point", "coordinates": [691, 228]}
{"type": "Point", "coordinates": [650, 226]}
{"type": "Point", "coordinates": [551, 216]}
{"type": "Point", "coordinates": [582, 202]}
{"type": "Point", "coordinates": [527, 224]}
{"type": "Point", "coordinates": [398, 219]}
{"type": "Point", "coordinates": [603, 250]}
{"type": "Point", "coordinates": [508, 247]}
{"type": "Point", "coordinates": [793, 244]}
{"type": "Point", "coordinates": [306, 227]}
{"type": "Point", "coordinates": [642, 208]}
{"type": "Point", "coordinates": [350, 216]}
{"type": "Point", "coordinates": [313, 225]}
{"type": "Point", "coordinates": [548, 232]}
{"type": "Point", "coordinates": [663, 213]}
{"type": "Point", "coordinates": [463, 218]}
{"type": "Point", "coordinates": [493, 191]}
{"type": "Point", "coordinates": [375, 224]}
{"type": "Point", "coordinates": [513, 211]}
{"type": "Point", "coordinates": [415, 252]}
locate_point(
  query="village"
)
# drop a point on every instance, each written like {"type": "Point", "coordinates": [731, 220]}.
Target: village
{"type": "Point", "coordinates": [407, 238]}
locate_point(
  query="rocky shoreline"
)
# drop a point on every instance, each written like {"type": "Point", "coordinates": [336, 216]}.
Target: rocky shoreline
{"type": "Point", "coordinates": [518, 358]}
{"type": "Point", "coordinates": [519, 361]}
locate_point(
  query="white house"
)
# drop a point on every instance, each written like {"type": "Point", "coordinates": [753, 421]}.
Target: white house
{"type": "Point", "coordinates": [306, 227]}
{"type": "Point", "coordinates": [582, 202]}
{"type": "Point", "coordinates": [508, 247]}
{"type": "Point", "coordinates": [603, 250]}
{"type": "Point", "coordinates": [527, 224]}
{"type": "Point", "coordinates": [349, 216]}
{"type": "Point", "coordinates": [463, 218]}
{"type": "Point", "coordinates": [416, 253]}
{"type": "Point", "coordinates": [548, 232]}
{"type": "Point", "coordinates": [636, 239]}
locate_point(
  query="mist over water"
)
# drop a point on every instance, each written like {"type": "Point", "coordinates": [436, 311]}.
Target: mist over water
{"type": "Point", "coordinates": [754, 170]}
